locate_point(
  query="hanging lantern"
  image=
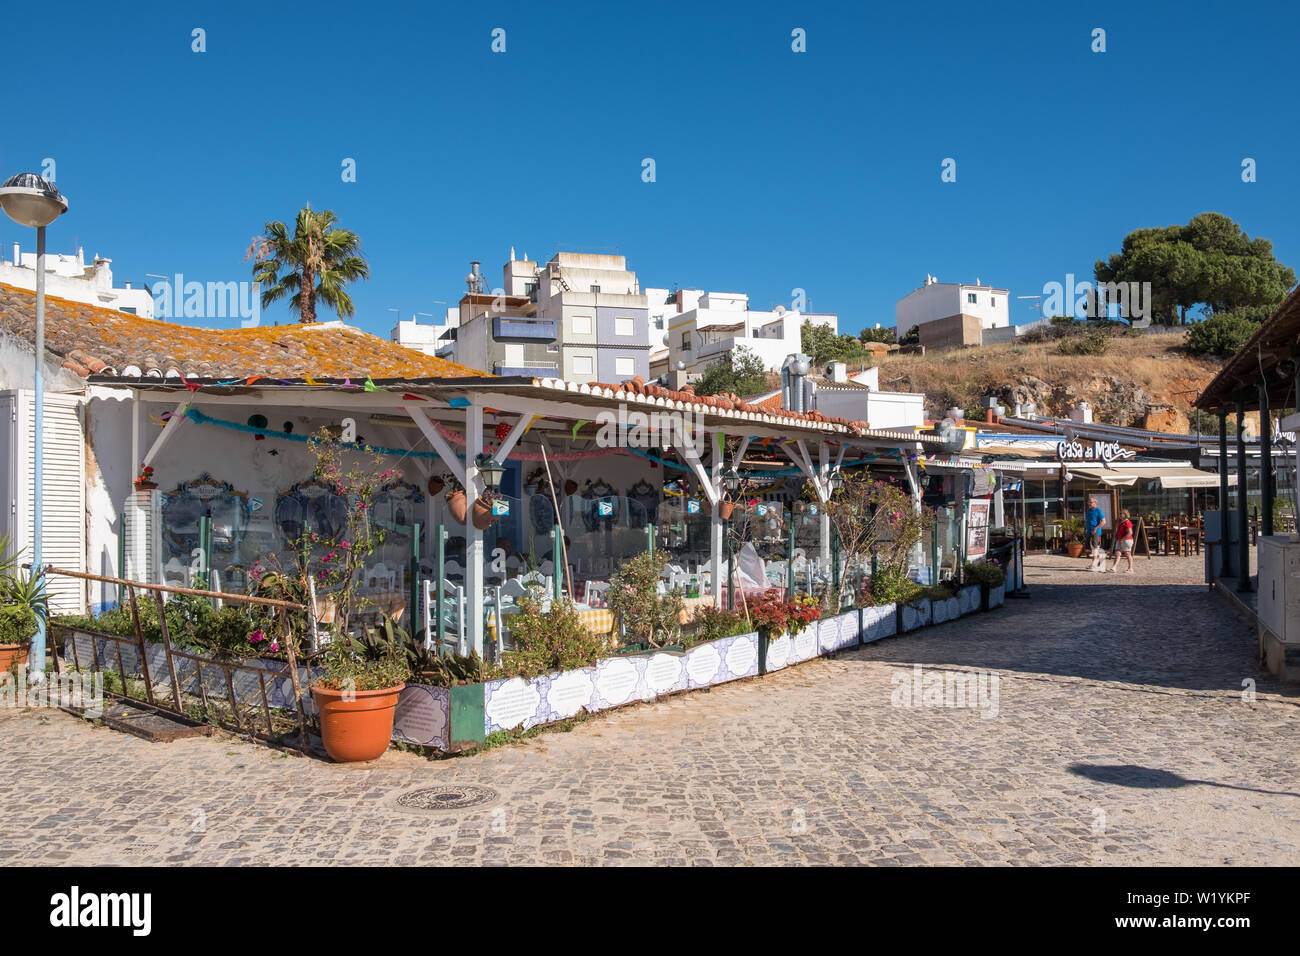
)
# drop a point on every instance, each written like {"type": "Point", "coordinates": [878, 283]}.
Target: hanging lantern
{"type": "Point", "coordinates": [731, 480]}
{"type": "Point", "coordinates": [491, 471]}
{"type": "Point", "coordinates": [837, 480]}
{"type": "Point", "coordinates": [288, 428]}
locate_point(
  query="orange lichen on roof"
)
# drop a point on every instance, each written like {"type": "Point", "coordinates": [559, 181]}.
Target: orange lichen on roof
{"type": "Point", "coordinates": [90, 339]}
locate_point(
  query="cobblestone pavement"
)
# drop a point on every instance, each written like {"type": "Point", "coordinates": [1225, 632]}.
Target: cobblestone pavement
{"type": "Point", "coordinates": [1121, 736]}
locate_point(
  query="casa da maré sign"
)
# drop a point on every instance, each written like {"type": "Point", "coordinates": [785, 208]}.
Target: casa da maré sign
{"type": "Point", "coordinates": [1103, 451]}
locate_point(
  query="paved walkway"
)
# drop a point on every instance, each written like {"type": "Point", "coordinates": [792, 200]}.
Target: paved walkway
{"type": "Point", "coordinates": [1120, 736]}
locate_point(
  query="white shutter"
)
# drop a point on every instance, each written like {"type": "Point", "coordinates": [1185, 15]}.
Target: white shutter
{"type": "Point", "coordinates": [63, 536]}
{"type": "Point", "coordinates": [140, 516]}
{"type": "Point", "coordinates": [9, 459]}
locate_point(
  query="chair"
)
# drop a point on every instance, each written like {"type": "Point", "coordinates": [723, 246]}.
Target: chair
{"type": "Point", "coordinates": [380, 578]}
{"type": "Point", "coordinates": [597, 594]}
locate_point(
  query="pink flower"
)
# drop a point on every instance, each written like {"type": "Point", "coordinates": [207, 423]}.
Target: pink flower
{"type": "Point", "coordinates": [256, 636]}
{"type": "Point", "coordinates": [275, 646]}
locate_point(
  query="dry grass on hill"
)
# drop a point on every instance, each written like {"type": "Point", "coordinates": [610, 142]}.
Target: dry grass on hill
{"type": "Point", "coordinates": [1137, 375]}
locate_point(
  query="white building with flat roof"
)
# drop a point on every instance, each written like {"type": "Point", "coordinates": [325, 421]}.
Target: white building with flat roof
{"type": "Point", "coordinates": [707, 325]}
{"type": "Point", "coordinates": [951, 314]}
{"type": "Point", "coordinates": [68, 277]}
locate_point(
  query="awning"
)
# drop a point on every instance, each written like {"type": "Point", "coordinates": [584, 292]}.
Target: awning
{"type": "Point", "coordinates": [1169, 476]}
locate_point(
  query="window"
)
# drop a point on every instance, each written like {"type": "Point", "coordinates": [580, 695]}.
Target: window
{"type": "Point", "coordinates": [624, 326]}
{"type": "Point", "coordinates": [595, 288]}
{"type": "Point", "coordinates": [582, 365]}
{"type": "Point", "coordinates": [582, 325]}
{"type": "Point", "coordinates": [625, 366]}
{"type": "Point", "coordinates": [686, 341]}
{"type": "Point", "coordinates": [993, 302]}
{"type": "Point", "coordinates": [530, 288]}
{"type": "Point", "coordinates": [970, 297]}
{"type": "Point", "coordinates": [553, 347]}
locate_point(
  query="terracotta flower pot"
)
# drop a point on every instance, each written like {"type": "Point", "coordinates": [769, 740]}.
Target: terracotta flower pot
{"type": "Point", "coordinates": [358, 729]}
{"type": "Point", "coordinates": [436, 485]}
{"type": "Point", "coordinates": [725, 508]}
{"type": "Point", "coordinates": [483, 516]}
{"type": "Point", "coordinates": [1074, 549]}
{"type": "Point", "coordinates": [11, 655]}
{"type": "Point", "coordinates": [456, 505]}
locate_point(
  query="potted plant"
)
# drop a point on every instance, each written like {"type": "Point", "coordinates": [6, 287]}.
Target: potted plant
{"type": "Point", "coordinates": [357, 697]}
{"type": "Point", "coordinates": [23, 602]}
{"type": "Point", "coordinates": [145, 481]}
{"type": "Point", "coordinates": [455, 498]}
{"type": "Point", "coordinates": [484, 517]}
{"type": "Point", "coordinates": [646, 616]}
{"type": "Point", "coordinates": [1071, 534]}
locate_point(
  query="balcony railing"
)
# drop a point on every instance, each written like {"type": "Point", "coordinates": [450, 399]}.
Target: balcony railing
{"type": "Point", "coordinates": [506, 327]}
{"type": "Point", "coordinates": [527, 369]}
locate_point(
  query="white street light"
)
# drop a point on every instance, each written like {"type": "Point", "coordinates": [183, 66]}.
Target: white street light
{"type": "Point", "coordinates": [30, 200]}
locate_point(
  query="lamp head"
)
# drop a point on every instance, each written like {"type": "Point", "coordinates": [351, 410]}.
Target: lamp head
{"type": "Point", "coordinates": [30, 200]}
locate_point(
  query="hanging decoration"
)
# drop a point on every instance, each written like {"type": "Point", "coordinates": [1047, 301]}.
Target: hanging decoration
{"type": "Point", "coordinates": [259, 422]}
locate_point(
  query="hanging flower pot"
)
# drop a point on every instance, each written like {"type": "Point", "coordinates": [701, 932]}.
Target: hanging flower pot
{"type": "Point", "coordinates": [436, 485]}
{"type": "Point", "coordinates": [456, 505]}
{"type": "Point", "coordinates": [483, 516]}
{"type": "Point", "coordinates": [725, 508]}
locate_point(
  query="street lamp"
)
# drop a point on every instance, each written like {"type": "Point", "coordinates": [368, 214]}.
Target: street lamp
{"type": "Point", "coordinates": [731, 480]}
{"type": "Point", "coordinates": [30, 200]}
{"type": "Point", "coordinates": [837, 480]}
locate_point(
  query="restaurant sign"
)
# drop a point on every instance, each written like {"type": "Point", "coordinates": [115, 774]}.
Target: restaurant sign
{"type": "Point", "coordinates": [1103, 451]}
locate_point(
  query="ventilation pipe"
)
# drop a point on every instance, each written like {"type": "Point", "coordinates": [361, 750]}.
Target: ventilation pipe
{"type": "Point", "coordinates": [796, 388]}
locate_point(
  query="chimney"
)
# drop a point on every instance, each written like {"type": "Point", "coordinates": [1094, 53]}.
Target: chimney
{"type": "Point", "coordinates": [796, 389]}
{"type": "Point", "coordinates": [18, 256]}
{"type": "Point", "coordinates": [837, 372]}
{"type": "Point", "coordinates": [1081, 413]}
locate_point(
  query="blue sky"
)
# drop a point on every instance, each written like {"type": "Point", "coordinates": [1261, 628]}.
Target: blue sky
{"type": "Point", "coordinates": [775, 170]}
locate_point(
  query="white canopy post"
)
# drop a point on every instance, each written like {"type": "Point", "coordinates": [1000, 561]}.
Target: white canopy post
{"type": "Point", "coordinates": [475, 573]}
{"type": "Point", "coordinates": [178, 418]}
{"type": "Point", "coordinates": [824, 494]}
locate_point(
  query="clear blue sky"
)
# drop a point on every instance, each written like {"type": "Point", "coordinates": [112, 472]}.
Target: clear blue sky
{"type": "Point", "coordinates": [775, 169]}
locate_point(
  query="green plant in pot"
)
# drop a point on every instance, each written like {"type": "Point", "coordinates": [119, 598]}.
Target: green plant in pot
{"type": "Point", "coordinates": [1072, 532]}
{"type": "Point", "coordinates": [23, 603]}
{"type": "Point", "coordinates": [357, 697]}
{"type": "Point", "coordinates": [647, 616]}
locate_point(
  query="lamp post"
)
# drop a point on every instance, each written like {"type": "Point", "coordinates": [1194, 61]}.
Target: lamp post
{"type": "Point", "coordinates": [30, 200]}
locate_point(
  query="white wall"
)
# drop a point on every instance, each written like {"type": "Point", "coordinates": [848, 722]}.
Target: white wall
{"type": "Point", "coordinates": [878, 409]}
{"type": "Point", "coordinates": [66, 277]}
{"type": "Point", "coordinates": [939, 300]}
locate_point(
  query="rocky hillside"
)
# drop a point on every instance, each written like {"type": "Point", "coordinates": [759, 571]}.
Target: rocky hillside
{"type": "Point", "coordinates": [1146, 380]}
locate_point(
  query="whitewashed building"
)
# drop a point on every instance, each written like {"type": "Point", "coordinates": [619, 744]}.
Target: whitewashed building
{"type": "Point", "coordinates": [68, 277]}
{"type": "Point", "coordinates": [951, 314]}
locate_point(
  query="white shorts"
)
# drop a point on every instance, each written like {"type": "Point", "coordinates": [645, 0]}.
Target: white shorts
{"type": "Point", "coordinates": [1125, 545]}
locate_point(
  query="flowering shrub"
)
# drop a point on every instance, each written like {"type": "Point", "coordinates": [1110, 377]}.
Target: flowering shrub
{"type": "Point", "coordinates": [774, 616]}
{"type": "Point", "coordinates": [646, 615]}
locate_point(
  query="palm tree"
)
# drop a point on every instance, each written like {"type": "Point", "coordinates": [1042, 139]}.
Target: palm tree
{"type": "Point", "coordinates": [317, 262]}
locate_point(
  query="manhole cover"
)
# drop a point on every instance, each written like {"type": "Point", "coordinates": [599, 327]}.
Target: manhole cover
{"type": "Point", "coordinates": [447, 798]}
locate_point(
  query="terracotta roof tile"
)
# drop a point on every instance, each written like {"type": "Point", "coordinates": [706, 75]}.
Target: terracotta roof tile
{"type": "Point", "coordinates": [91, 340]}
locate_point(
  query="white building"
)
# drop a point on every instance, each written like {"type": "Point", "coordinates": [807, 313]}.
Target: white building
{"type": "Point", "coordinates": [68, 277]}
{"type": "Point", "coordinates": [425, 337]}
{"type": "Point", "coordinates": [951, 314]}
{"type": "Point", "coordinates": [707, 325]}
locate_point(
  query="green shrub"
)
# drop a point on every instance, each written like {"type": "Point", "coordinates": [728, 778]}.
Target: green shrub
{"type": "Point", "coordinates": [891, 585]}
{"type": "Point", "coordinates": [1222, 334]}
{"type": "Point", "coordinates": [645, 614]}
{"type": "Point", "coordinates": [1091, 342]}
{"type": "Point", "coordinates": [712, 623]}
{"type": "Point", "coordinates": [17, 625]}
{"type": "Point", "coordinates": [983, 572]}
{"type": "Point", "coordinates": [550, 640]}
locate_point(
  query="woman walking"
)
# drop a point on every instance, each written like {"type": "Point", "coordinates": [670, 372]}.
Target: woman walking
{"type": "Point", "coordinates": [1124, 541]}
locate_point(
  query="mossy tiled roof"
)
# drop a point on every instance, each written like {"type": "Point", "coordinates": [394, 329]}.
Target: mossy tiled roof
{"type": "Point", "coordinates": [92, 340]}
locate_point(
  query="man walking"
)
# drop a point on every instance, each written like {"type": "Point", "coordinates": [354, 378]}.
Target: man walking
{"type": "Point", "coordinates": [1094, 520]}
